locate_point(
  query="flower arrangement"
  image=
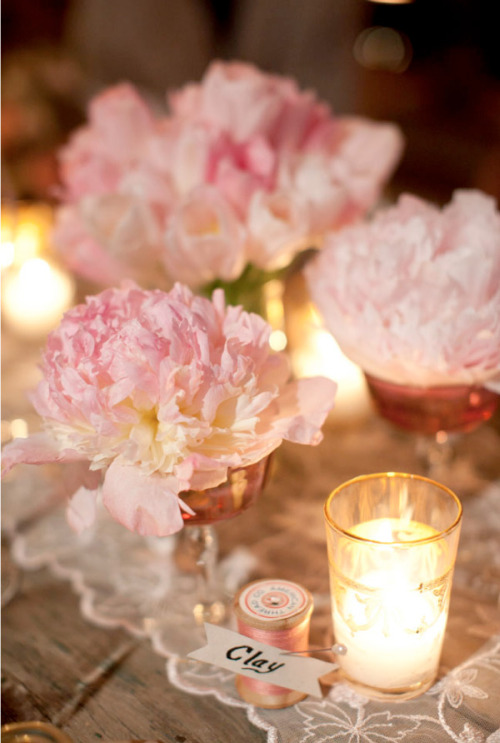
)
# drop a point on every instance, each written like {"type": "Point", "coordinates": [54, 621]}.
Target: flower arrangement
{"type": "Point", "coordinates": [163, 392]}
{"type": "Point", "coordinates": [413, 296]}
{"type": "Point", "coordinates": [245, 170]}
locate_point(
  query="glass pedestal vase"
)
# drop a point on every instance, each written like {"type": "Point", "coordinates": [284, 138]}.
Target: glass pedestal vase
{"type": "Point", "coordinates": [198, 591]}
{"type": "Point", "coordinates": [437, 415]}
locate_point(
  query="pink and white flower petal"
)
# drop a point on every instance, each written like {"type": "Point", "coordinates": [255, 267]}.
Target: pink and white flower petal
{"type": "Point", "coordinates": [39, 448]}
{"type": "Point", "coordinates": [205, 240]}
{"type": "Point", "coordinates": [148, 505]}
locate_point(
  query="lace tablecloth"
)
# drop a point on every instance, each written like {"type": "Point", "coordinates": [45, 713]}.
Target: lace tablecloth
{"type": "Point", "coordinates": [120, 576]}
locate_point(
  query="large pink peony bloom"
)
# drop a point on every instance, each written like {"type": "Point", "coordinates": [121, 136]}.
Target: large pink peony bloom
{"type": "Point", "coordinates": [238, 98]}
{"type": "Point", "coordinates": [164, 392]}
{"type": "Point", "coordinates": [285, 169]}
{"type": "Point", "coordinates": [413, 296]}
{"type": "Point", "coordinates": [116, 202]}
{"type": "Point", "coordinates": [101, 153]}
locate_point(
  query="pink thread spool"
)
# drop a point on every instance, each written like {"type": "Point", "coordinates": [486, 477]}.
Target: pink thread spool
{"type": "Point", "coordinates": [278, 613]}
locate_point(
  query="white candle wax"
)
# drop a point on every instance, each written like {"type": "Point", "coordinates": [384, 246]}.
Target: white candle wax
{"type": "Point", "coordinates": [392, 625]}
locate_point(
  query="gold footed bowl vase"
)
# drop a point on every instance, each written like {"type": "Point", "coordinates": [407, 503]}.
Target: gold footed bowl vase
{"type": "Point", "coordinates": [438, 417]}
{"type": "Point", "coordinates": [202, 588]}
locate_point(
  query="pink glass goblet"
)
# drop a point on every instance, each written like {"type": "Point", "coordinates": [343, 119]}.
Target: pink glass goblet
{"type": "Point", "coordinates": [197, 547]}
{"type": "Point", "coordinates": [435, 414]}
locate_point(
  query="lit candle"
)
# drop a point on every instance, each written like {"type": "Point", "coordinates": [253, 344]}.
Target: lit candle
{"type": "Point", "coordinates": [35, 296]}
{"type": "Point", "coordinates": [392, 626]}
{"type": "Point", "coordinates": [25, 230]}
{"type": "Point", "coordinates": [391, 579]}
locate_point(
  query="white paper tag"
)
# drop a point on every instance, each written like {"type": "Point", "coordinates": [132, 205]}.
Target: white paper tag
{"type": "Point", "coordinates": [241, 654]}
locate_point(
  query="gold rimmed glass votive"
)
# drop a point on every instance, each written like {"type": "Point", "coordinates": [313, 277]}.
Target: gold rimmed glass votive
{"type": "Point", "coordinates": [392, 543]}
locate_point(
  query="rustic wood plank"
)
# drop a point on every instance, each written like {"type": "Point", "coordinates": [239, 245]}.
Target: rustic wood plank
{"type": "Point", "coordinates": [97, 683]}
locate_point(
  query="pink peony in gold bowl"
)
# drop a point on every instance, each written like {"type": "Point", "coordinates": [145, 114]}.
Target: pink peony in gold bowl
{"type": "Point", "coordinates": [413, 297]}
{"type": "Point", "coordinates": [165, 394]}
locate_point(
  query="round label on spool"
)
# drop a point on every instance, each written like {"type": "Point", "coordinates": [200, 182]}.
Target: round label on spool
{"type": "Point", "coordinates": [271, 600]}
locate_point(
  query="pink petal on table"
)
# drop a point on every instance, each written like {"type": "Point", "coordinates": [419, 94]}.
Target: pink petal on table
{"type": "Point", "coordinates": [147, 504]}
{"type": "Point", "coordinates": [39, 448]}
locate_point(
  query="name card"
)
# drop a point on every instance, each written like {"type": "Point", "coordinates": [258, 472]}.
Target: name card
{"type": "Point", "coordinates": [244, 655]}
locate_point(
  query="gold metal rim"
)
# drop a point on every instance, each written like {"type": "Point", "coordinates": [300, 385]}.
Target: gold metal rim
{"type": "Point", "coordinates": [402, 476]}
{"type": "Point", "coordinates": [14, 730]}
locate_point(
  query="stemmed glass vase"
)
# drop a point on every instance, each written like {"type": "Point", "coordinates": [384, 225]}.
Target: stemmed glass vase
{"type": "Point", "coordinates": [198, 589]}
{"type": "Point", "coordinates": [436, 414]}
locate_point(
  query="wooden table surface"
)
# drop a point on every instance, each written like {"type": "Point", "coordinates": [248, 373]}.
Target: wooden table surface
{"type": "Point", "coordinates": [103, 684]}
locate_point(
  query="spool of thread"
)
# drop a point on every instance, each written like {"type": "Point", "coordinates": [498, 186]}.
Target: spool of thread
{"type": "Point", "coordinates": [277, 613]}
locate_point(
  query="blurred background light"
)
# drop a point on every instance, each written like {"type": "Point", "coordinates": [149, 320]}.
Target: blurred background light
{"type": "Point", "coordinates": [7, 253]}
{"type": "Point", "coordinates": [314, 352]}
{"type": "Point", "coordinates": [383, 48]}
{"type": "Point", "coordinates": [35, 296]}
{"type": "Point", "coordinates": [278, 340]}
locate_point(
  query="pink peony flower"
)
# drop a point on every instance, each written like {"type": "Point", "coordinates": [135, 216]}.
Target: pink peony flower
{"type": "Point", "coordinates": [413, 296]}
{"type": "Point", "coordinates": [80, 251]}
{"type": "Point", "coordinates": [275, 155]}
{"type": "Point", "coordinates": [205, 240]}
{"type": "Point", "coordinates": [107, 237]}
{"type": "Point", "coordinates": [238, 98]}
{"type": "Point", "coordinates": [339, 177]}
{"type": "Point", "coordinates": [164, 392]}
{"type": "Point", "coordinates": [99, 154]}
{"type": "Point", "coordinates": [278, 228]}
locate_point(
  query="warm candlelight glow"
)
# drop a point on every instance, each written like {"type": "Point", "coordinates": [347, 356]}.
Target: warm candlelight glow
{"type": "Point", "coordinates": [25, 232]}
{"type": "Point", "coordinates": [315, 352]}
{"type": "Point", "coordinates": [392, 627]}
{"type": "Point", "coordinates": [35, 291]}
{"type": "Point", "coordinates": [19, 428]}
{"type": "Point", "coordinates": [274, 314]}
{"type": "Point", "coordinates": [35, 296]}
{"type": "Point", "coordinates": [278, 340]}
{"type": "Point", "coordinates": [391, 579]}
{"type": "Point", "coordinates": [7, 254]}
